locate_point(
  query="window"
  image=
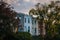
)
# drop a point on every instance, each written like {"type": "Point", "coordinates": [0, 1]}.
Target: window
{"type": "Point", "coordinates": [28, 20]}
{"type": "Point", "coordinates": [32, 21]}
{"type": "Point", "coordinates": [25, 20]}
{"type": "Point", "coordinates": [28, 28]}
{"type": "Point", "coordinates": [35, 21]}
{"type": "Point", "coordinates": [35, 30]}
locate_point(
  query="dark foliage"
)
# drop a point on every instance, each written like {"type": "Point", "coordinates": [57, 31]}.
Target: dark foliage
{"type": "Point", "coordinates": [7, 21]}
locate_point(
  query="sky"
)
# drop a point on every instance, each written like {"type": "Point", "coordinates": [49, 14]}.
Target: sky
{"type": "Point", "coordinates": [24, 6]}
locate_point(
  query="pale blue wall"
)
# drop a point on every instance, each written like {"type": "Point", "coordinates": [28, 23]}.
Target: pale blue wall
{"type": "Point", "coordinates": [28, 25]}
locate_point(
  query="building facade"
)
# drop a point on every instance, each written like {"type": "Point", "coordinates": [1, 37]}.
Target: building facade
{"type": "Point", "coordinates": [21, 22]}
{"type": "Point", "coordinates": [28, 24]}
{"type": "Point", "coordinates": [31, 25]}
{"type": "Point", "coordinates": [35, 29]}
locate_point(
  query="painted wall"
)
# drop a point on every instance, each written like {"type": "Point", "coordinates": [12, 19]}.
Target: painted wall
{"type": "Point", "coordinates": [31, 26]}
{"type": "Point", "coordinates": [35, 30]}
{"type": "Point", "coordinates": [21, 23]}
{"type": "Point", "coordinates": [28, 24]}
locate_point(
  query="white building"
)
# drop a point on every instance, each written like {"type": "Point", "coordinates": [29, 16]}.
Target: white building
{"type": "Point", "coordinates": [35, 29]}
{"type": "Point", "coordinates": [27, 23]}
{"type": "Point", "coordinates": [30, 25]}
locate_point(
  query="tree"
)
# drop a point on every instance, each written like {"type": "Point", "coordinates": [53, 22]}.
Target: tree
{"type": "Point", "coordinates": [23, 36]}
{"type": "Point", "coordinates": [8, 21]}
{"type": "Point", "coordinates": [40, 12]}
{"type": "Point", "coordinates": [48, 14]}
{"type": "Point", "coordinates": [53, 19]}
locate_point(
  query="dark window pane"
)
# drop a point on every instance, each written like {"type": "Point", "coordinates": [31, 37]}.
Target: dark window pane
{"type": "Point", "coordinates": [28, 20]}
{"type": "Point", "coordinates": [28, 28]}
{"type": "Point", "coordinates": [25, 20]}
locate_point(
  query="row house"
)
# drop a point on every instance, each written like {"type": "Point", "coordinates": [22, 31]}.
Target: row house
{"type": "Point", "coordinates": [35, 28]}
{"type": "Point", "coordinates": [21, 22]}
{"type": "Point", "coordinates": [28, 24]}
